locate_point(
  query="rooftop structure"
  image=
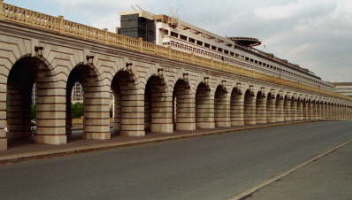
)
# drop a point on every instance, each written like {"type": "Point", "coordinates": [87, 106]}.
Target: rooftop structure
{"type": "Point", "coordinates": [177, 34]}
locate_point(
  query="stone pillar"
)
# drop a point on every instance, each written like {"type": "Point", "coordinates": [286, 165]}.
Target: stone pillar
{"type": "Point", "coordinates": [279, 109]}
{"type": "Point", "coordinates": [131, 110]}
{"type": "Point", "coordinates": [96, 121]}
{"type": "Point", "coordinates": [3, 124]}
{"type": "Point", "coordinates": [261, 115]}
{"type": "Point", "coordinates": [294, 112]}
{"type": "Point", "coordinates": [204, 109]}
{"type": "Point", "coordinates": [271, 111]}
{"type": "Point", "coordinates": [222, 109]}
{"type": "Point", "coordinates": [185, 111]}
{"type": "Point", "coordinates": [287, 109]}
{"type": "Point", "coordinates": [51, 113]}
{"type": "Point", "coordinates": [237, 109]}
{"type": "Point", "coordinates": [249, 109]}
{"type": "Point", "coordinates": [161, 112]}
{"type": "Point", "coordinates": [300, 114]}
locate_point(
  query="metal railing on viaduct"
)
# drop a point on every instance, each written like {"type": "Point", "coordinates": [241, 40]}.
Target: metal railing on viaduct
{"type": "Point", "coordinates": [155, 89]}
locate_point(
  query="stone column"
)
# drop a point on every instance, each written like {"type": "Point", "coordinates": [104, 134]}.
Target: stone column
{"type": "Point", "coordinates": [261, 115]}
{"type": "Point", "coordinates": [250, 109]}
{"type": "Point", "coordinates": [294, 112]}
{"type": "Point", "coordinates": [222, 110]}
{"type": "Point", "coordinates": [279, 109]}
{"type": "Point", "coordinates": [161, 112]}
{"type": "Point", "coordinates": [51, 112]}
{"type": "Point", "coordinates": [237, 109]}
{"type": "Point", "coordinates": [185, 112]}
{"type": "Point", "coordinates": [271, 116]}
{"type": "Point", "coordinates": [205, 109]}
{"type": "Point", "coordinates": [287, 109]}
{"type": "Point", "coordinates": [300, 115]}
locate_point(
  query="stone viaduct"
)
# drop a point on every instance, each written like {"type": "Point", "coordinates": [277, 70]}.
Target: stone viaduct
{"type": "Point", "coordinates": [156, 89]}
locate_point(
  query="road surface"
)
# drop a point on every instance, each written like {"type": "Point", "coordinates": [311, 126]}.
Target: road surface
{"type": "Point", "coordinates": [205, 168]}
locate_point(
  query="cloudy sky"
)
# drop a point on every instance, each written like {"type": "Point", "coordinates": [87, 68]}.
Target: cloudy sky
{"type": "Point", "coordinates": [316, 34]}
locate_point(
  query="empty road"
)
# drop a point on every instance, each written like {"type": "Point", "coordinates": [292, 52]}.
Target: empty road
{"type": "Point", "coordinates": [205, 168]}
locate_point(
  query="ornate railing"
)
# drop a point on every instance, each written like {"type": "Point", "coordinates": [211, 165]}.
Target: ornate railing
{"type": "Point", "coordinates": [60, 25]}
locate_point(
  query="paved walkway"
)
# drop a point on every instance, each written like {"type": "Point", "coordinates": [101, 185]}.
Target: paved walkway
{"type": "Point", "coordinates": [327, 179]}
{"type": "Point", "coordinates": [32, 151]}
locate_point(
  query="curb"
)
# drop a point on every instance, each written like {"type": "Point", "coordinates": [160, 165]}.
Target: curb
{"type": "Point", "coordinates": [249, 193]}
{"type": "Point", "coordinates": [104, 146]}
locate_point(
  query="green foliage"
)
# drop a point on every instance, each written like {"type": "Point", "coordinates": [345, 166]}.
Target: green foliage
{"type": "Point", "coordinates": [77, 110]}
{"type": "Point", "coordinates": [33, 111]}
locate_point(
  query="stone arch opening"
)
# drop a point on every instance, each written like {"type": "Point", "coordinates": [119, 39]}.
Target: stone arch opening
{"type": "Point", "coordinates": [221, 107]}
{"type": "Point", "coordinates": [249, 108]}
{"type": "Point", "coordinates": [261, 117]}
{"type": "Point", "coordinates": [183, 107]}
{"type": "Point", "coordinates": [270, 106]}
{"type": "Point", "coordinates": [236, 110]}
{"type": "Point", "coordinates": [27, 106]}
{"type": "Point", "coordinates": [86, 122]}
{"type": "Point", "coordinates": [157, 107]}
{"type": "Point", "coordinates": [204, 107]}
{"type": "Point", "coordinates": [126, 107]}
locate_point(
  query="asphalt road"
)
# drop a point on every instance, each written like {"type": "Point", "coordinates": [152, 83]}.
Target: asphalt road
{"type": "Point", "coordinates": [206, 168]}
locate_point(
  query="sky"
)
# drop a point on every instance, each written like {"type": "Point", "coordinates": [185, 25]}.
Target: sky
{"type": "Point", "coordinates": [316, 34]}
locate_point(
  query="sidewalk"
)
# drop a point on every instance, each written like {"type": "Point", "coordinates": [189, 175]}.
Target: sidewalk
{"type": "Point", "coordinates": [329, 178]}
{"type": "Point", "coordinates": [36, 151]}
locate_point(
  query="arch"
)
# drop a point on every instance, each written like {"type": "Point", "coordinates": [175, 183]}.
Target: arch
{"type": "Point", "coordinates": [157, 106]}
{"type": "Point", "coordinates": [33, 74]}
{"type": "Point", "coordinates": [249, 108]}
{"type": "Point", "coordinates": [236, 110]}
{"type": "Point", "coordinates": [261, 117]}
{"type": "Point", "coordinates": [96, 100]}
{"type": "Point", "coordinates": [204, 107]}
{"type": "Point", "coordinates": [183, 107]}
{"type": "Point", "coordinates": [127, 105]}
{"type": "Point", "coordinates": [221, 107]}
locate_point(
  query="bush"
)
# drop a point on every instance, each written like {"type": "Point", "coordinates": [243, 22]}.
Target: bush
{"type": "Point", "coordinates": [77, 110]}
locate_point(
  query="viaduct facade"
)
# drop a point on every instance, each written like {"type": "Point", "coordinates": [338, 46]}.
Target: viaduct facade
{"type": "Point", "coordinates": [156, 89]}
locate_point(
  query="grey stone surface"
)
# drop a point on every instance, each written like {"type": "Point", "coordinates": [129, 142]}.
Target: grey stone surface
{"type": "Point", "coordinates": [205, 168]}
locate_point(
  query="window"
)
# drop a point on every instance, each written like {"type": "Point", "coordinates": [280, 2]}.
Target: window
{"type": "Point", "coordinates": [200, 43]}
{"type": "Point", "coordinates": [183, 37]}
{"type": "Point", "coordinates": [219, 49]}
{"type": "Point", "coordinates": [232, 53]}
{"type": "Point", "coordinates": [191, 40]}
{"type": "Point", "coordinates": [226, 51]}
{"type": "Point", "coordinates": [213, 47]}
{"type": "Point", "coordinates": [207, 45]}
{"type": "Point", "coordinates": [173, 34]}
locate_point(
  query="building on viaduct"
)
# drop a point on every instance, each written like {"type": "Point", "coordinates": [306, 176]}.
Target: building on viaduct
{"type": "Point", "coordinates": [156, 89]}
